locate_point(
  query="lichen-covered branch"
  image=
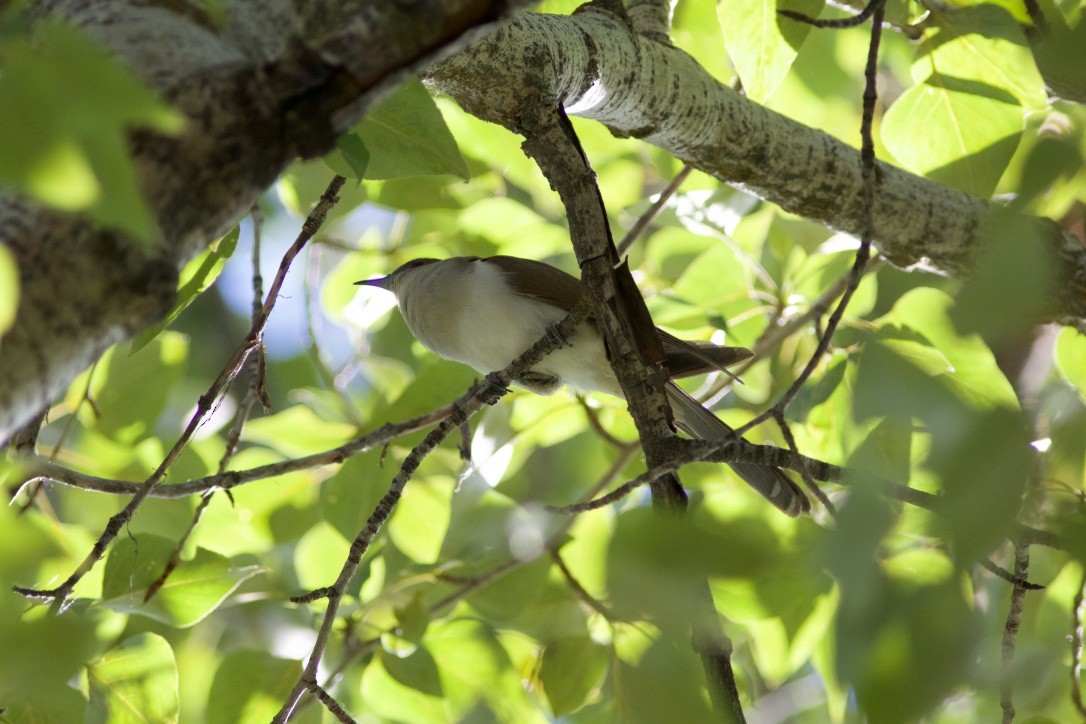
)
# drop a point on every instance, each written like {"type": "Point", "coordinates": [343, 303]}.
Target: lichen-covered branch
{"type": "Point", "coordinates": [595, 64]}
{"type": "Point", "coordinates": [275, 81]}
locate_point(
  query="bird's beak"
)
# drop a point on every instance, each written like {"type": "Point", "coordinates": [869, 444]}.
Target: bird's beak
{"type": "Point", "coordinates": [379, 282]}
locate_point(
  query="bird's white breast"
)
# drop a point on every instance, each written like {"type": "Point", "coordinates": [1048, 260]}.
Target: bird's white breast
{"type": "Point", "coordinates": [466, 311]}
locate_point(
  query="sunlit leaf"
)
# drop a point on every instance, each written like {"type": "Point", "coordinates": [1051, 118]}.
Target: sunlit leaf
{"type": "Point", "coordinates": [66, 107]}
{"type": "Point", "coordinates": [298, 430]}
{"type": "Point", "coordinates": [9, 289]}
{"type": "Point", "coordinates": [197, 276]}
{"type": "Point", "coordinates": [572, 668]}
{"type": "Point", "coordinates": [954, 135]}
{"type": "Point", "coordinates": [1071, 359]}
{"type": "Point", "coordinates": [982, 50]}
{"type": "Point", "coordinates": [250, 687]}
{"type": "Point", "coordinates": [193, 590]}
{"type": "Point", "coordinates": [135, 681]}
{"type": "Point", "coordinates": [761, 43]}
{"type": "Point", "coordinates": [319, 556]}
{"type": "Point", "coordinates": [136, 387]}
{"type": "Point", "coordinates": [406, 136]}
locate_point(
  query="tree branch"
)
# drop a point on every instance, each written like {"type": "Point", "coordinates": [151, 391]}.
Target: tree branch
{"type": "Point", "coordinates": [596, 66]}
{"type": "Point", "coordinates": [277, 81]}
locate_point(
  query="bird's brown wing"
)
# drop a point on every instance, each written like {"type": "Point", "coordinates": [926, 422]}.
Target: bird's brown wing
{"type": "Point", "coordinates": [548, 284]}
{"type": "Point", "coordinates": [697, 358]}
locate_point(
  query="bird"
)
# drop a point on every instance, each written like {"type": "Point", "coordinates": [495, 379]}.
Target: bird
{"type": "Point", "coordinates": [486, 311]}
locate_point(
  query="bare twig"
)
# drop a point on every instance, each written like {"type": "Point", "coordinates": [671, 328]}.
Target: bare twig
{"type": "Point", "coordinates": [578, 590]}
{"type": "Point", "coordinates": [232, 479]}
{"type": "Point", "coordinates": [1009, 577]}
{"type": "Point", "coordinates": [1010, 631]}
{"type": "Point", "coordinates": [487, 391]}
{"type": "Point", "coordinates": [653, 211]}
{"type": "Point", "coordinates": [255, 391]}
{"type": "Point", "coordinates": [207, 402]}
{"type": "Point", "coordinates": [594, 422]}
{"type": "Point", "coordinates": [856, 20]}
{"type": "Point", "coordinates": [330, 704]}
{"type": "Point", "coordinates": [871, 180]}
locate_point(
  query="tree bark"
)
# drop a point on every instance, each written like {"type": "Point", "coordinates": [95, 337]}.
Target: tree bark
{"type": "Point", "coordinates": [597, 65]}
{"type": "Point", "coordinates": [274, 81]}
{"type": "Point", "coordinates": [278, 80]}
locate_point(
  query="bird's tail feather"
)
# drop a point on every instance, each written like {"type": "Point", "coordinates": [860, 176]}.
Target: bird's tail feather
{"type": "Point", "coordinates": [696, 420]}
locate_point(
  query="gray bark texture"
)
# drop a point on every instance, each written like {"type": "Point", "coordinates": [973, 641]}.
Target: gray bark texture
{"type": "Point", "coordinates": [281, 80]}
{"type": "Point", "coordinates": [276, 81]}
{"type": "Point", "coordinates": [598, 65]}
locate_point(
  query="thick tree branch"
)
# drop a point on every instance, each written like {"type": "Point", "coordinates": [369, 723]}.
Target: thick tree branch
{"type": "Point", "coordinates": [276, 81]}
{"type": "Point", "coordinates": [596, 66]}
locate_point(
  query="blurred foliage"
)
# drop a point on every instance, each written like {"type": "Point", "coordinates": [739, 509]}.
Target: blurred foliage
{"type": "Point", "coordinates": [459, 612]}
{"type": "Point", "coordinates": [65, 109]}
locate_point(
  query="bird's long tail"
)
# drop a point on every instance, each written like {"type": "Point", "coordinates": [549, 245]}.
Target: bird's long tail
{"type": "Point", "coordinates": [696, 420]}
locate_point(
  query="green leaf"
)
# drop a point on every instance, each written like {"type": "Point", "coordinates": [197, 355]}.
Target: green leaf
{"type": "Point", "coordinates": [662, 683]}
{"type": "Point", "coordinates": [1061, 58]}
{"type": "Point", "coordinates": [301, 186]}
{"type": "Point", "coordinates": [348, 497]}
{"type": "Point", "coordinates": [761, 43]}
{"type": "Point", "coordinates": [899, 377]}
{"type": "Point", "coordinates": [477, 676]}
{"type": "Point", "coordinates": [984, 466]}
{"type": "Point", "coordinates": [983, 50]}
{"type": "Point", "coordinates": [9, 289]}
{"type": "Point", "coordinates": [421, 518]}
{"type": "Point", "coordinates": [976, 378]}
{"type": "Point", "coordinates": [1071, 359]}
{"type": "Point", "coordinates": [66, 107]}
{"type": "Point", "coordinates": [958, 138]}
{"type": "Point", "coordinates": [319, 556]}
{"type": "Point", "coordinates": [416, 671]}
{"type": "Point", "coordinates": [44, 652]}
{"type": "Point", "coordinates": [193, 590]}
{"type": "Point", "coordinates": [906, 648]}
{"type": "Point", "coordinates": [250, 687]}
{"type": "Point", "coordinates": [134, 682]}
{"type": "Point", "coordinates": [1013, 283]}
{"type": "Point", "coordinates": [389, 699]}
{"type": "Point", "coordinates": [406, 136]}
{"type": "Point", "coordinates": [197, 276]}
{"type": "Point", "coordinates": [571, 671]}
{"type": "Point", "coordinates": [675, 554]}
{"type": "Point", "coordinates": [413, 618]}
{"type": "Point", "coordinates": [350, 158]}
{"type": "Point", "coordinates": [297, 431]}
{"type": "Point", "coordinates": [136, 387]}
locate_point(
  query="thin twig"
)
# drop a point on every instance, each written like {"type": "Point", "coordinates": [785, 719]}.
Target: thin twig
{"type": "Point", "coordinates": [870, 184]}
{"type": "Point", "coordinates": [255, 391]}
{"type": "Point", "coordinates": [484, 392]}
{"type": "Point", "coordinates": [1000, 572]}
{"type": "Point", "coordinates": [836, 23]}
{"type": "Point", "coordinates": [1010, 632]}
{"type": "Point", "coordinates": [652, 212]}
{"type": "Point", "coordinates": [330, 703]}
{"type": "Point", "coordinates": [578, 590]}
{"type": "Point", "coordinates": [597, 427]}
{"type": "Point", "coordinates": [234, 478]}
{"type": "Point", "coordinates": [207, 402]}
